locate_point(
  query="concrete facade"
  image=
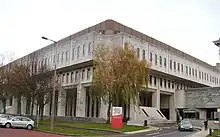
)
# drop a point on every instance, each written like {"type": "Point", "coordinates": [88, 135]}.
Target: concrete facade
{"type": "Point", "coordinates": [171, 70]}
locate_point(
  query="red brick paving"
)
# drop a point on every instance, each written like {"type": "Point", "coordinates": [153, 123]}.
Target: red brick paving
{"type": "Point", "coordinates": [4, 132]}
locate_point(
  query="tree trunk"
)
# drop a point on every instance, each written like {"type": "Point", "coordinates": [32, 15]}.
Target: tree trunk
{"type": "Point", "coordinates": [4, 105]}
{"type": "Point", "coordinates": [109, 110]}
{"type": "Point", "coordinates": [41, 111]}
{"type": "Point", "coordinates": [19, 104]}
{"type": "Point", "coordinates": [28, 105]}
{"type": "Point", "coordinates": [32, 106]}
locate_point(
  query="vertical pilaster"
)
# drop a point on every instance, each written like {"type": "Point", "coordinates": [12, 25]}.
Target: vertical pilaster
{"type": "Point", "coordinates": [61, 109]}
{"type": "Point", "coordinates": [172, 107]}
{"type": "Point", "coordinates": [156, 95]}
{"type": "Point", "coordinates": [81, 101]}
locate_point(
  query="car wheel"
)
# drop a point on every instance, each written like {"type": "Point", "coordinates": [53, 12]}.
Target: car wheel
{"type": "Point", "coordinates": [29, 127]}
{"type": "Point", "coordinates": [8, 125]}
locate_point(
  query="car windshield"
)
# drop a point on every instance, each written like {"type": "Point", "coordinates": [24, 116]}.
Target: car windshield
{"type": "Point", "coordinates": [186, 122]}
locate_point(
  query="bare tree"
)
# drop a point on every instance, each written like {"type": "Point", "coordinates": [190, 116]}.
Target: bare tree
{"type": "Point", "coordinates": [5, 81]}
{"type": "Point", "coordinates": [119, 75]}
{"type": "Point", "coordinates": [32, 84]}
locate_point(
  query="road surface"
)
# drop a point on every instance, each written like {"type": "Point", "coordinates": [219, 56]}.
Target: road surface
{"type": "Point", "coordinates": [169, 131]}
{"type": "Point", "coordinates": [7, 132]}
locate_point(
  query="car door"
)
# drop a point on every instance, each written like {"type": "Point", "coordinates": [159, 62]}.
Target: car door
{"type": "Point", "coordinates": [24, 122]}
{"type": "Point", "coordinates": [16, 122]}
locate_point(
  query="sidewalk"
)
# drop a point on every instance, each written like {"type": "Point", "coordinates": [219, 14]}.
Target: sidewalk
{"type": "Point", "coordinates": [202, 133]}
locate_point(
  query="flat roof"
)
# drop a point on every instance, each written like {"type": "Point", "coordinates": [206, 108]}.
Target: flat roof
{"type": "Point", "coordinates": [118, 27]}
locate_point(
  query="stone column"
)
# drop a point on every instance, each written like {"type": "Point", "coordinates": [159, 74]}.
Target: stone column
{"type": "Point", "coordinates": [81, 101]}
{"type": "Point", "coordinates": [172, 107]}
{"type": "Point", "coordinates": [61, 103]}
{"type": "Point", "coordinates": [156, 95]}
{"type": "Point", "coordinates": [23, 105]}
{"type": "Point", "coordinates": [103, 110]}
{"type": "Point", "coordinates": [14, 106]}
{"type": "Point", "coordinates": [134, 109]}
{"type": "Point", "coordinates": [47, 108]}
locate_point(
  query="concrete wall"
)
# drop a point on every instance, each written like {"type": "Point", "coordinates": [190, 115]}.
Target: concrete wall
{"type": "Point", "coordinates": [180, 99]}
{"type": "Point", "coordinates": [203, 98]}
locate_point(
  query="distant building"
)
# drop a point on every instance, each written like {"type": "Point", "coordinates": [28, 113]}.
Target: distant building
{"type": "Point", "coordinates": [171, 70]}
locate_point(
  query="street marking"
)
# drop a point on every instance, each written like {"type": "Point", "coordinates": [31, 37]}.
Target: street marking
{"type": "Point", "coordinates": [156, 133]}
{"type": "Point", "coordinates": [165, 134]}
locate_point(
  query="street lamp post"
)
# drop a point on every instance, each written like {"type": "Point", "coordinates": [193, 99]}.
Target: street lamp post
{"type": "Point", "coordinates": [54, 88]}
{"type": "Point", "coordinates": [217, 43]}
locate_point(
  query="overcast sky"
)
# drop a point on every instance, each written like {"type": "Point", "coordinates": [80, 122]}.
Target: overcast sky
{"type": "Point", "coordinates": [188, 25]}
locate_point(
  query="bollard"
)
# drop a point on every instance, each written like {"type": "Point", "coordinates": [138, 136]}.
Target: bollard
{"type": "Point", "coordinates": [210, 132]}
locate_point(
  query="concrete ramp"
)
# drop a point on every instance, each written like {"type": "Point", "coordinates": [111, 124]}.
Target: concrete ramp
{"type": "Point", "coordinates": [151, 114]}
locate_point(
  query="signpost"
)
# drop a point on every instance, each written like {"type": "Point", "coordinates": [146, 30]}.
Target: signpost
{"type": "Point", "coordinates": [117, 117]}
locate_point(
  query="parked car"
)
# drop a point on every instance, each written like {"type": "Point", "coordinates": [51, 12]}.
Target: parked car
{"type": "Point", "coordinates": [185, 125]}
{"type": "Point", "coordinates": [5, 116]}
{"type": "Point", "coordinates": [17, 122]}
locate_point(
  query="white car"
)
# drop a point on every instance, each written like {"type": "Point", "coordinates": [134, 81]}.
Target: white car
{"type": "Point", "coordinates": [17, 122]}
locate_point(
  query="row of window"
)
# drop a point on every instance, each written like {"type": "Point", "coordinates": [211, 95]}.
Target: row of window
{"type": "Point", "coordinates": [75, 76]}
{"type": "Point", "coordinates": [167, 84]}
{"type": "Point", "coordinates": [81, 50]}
{"type": "Point", "coordinates": [176, 66]}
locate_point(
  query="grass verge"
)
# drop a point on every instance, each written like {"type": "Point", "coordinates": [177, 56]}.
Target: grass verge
{"type": "Point", "coordinates": [85, 128]}
{"type": "Point", "coordinates": [214, 133]}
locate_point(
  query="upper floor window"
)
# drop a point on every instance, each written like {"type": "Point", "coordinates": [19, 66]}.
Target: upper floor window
{"type": "Point", "coordinates": [62, 56]}
{"type": "Point", "coordinates": [196, 72]}
{"type": "Point", "coordinates": [58, 57]}
{"type": "Point", "coordinates": [71, 77]}
{"type": "Point", "coordinates": [151, 57]}
{"type": "Point", "coordinates": [83, 51]}
{"type": "Point", "coordinates": [63, 77]}
{"type": "Point", "coordinates": [143, 54]}
{"type": "Point", "coordinates": [181, 67]}
{"type": "Point", "coordinates": [155, 59]}
{"type": "Point", "coordinates": [172, 84]}
{"type": "Point", "coordinates": [73, 54]}
{"type": "Point", "coordinates": [165, 62]}
{"type": "Point", "coordinates": [174, 65]}
{"type": "Point", "coordinates": [161, 82]}
{"type": "Point", "coordinates": [155, 80]}
{"type": "Point", "coordinates": [138, 53]}
{"type": "Point", "coordinates": [186, 69]}
{"type": "Point", "coordinates": [89, 48]}
{"type": "Point", "coordinates": [78, 51]}
{"type": "Point", "coordinates": [199, 75]}
{"type": "Point", "coordinates": [83, 74]}
{"type": "Point", "coordinates": [67, 55]}
{"type": "Point", "coordinates": [178, 67]}
{"type": "Point", "coordinates": [165, 83]}
{"type": "Point", "coordinates": [54, 57]}
{"type": "Point", "coordinates": [171, 64]}
{"type": "Point", "coordinates": [192, 71]}
{"type": "Point", "coordinates": [150, 79]}
{"type": "Point", "coordinates": [76, 76]}
{"type": "Point", "coordinates": [189, 71]}
{"type": "Point", "coordinates": [88, 73]}
{"type": "Point", "coordinates": [67, 78]}
{"type": "Point", "coordinates": [168, 83]}
{"type": "Point", "coordinates": [160, 61]}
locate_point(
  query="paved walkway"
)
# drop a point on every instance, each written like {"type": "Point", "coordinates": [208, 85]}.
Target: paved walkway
{"type": "Point", "coordinates": [202, 133]}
